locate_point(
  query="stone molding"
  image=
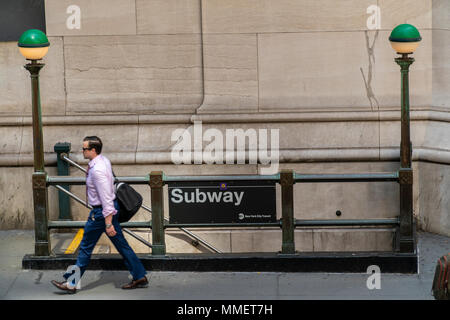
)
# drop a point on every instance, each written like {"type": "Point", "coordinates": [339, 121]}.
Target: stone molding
{"type": "Point", "coordinates": [424, 154]}
{"type": "Point", "coordinates": [435, 114]}
{"type": "Point", "coordinates": [142, 125]}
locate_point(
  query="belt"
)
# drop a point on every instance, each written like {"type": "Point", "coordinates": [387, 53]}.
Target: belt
{"type": "Point", "coordinates": [92, 216]}
{"type": "Point", "coordinates": [99, 206]}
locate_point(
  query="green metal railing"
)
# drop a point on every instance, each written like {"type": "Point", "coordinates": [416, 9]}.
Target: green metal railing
{"type": "Point", "coordinates": [287, 178]}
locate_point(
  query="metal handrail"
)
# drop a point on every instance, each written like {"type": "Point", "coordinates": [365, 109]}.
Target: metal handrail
{"type": "Point", "coordinates": [274, 177]}
{"type": "Point", "coordinates": [134, 180]}
{"type": "Point", "coordinates": [352, 177]}
{"type": "Point", "coordinates": [345, 177]}
{"type": "Point", "coordinates": [62, 180]}
{"type": "Point", "coordinates": [297, 223]}
{"type": "Point", "coordinates": [80, 224]}
{"type": "Point", "coordinates": [346, 222]}
{"type": "Point", "coordinates": [66, 158]}
{"type": "Point", "coordinates": [223, 225]}
{"type": "Point", "coordinates": [301, 178]}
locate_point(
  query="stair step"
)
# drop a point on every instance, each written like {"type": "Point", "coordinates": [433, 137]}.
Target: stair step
{"type": "Point", "coordinates": [102, 249]}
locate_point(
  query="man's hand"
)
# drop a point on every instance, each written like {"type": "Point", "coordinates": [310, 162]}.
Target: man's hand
{"type": "Point", "coordinates": [111, 231]}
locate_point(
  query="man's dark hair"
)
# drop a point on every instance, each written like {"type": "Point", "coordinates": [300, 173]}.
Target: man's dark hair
{"type": "Point", "coordinates": [94, 143]}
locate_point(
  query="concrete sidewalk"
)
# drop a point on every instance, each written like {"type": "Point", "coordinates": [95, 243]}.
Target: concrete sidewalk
{"type": "Point", "coordinates": [16, 283]}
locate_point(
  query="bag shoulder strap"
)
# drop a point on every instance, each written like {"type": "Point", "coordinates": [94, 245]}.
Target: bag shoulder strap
{"type": "Point", "coordinates": [114, 175]}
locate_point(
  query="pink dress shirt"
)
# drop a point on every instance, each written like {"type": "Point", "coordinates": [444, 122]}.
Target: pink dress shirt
{"type": "Point", "coordinates": [100, 185]}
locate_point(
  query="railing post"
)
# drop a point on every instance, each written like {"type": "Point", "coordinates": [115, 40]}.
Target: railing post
{"type": "Point", "coordinates": [63, 170]}
{"type": "Point", "coordinates": [40, 201]}
{"type": "Point", "coordinates": [157, 200]}
{"type": "Point", "coordinates": [406, 236]}
{"type": "Point", "coordinates": [287, 211]}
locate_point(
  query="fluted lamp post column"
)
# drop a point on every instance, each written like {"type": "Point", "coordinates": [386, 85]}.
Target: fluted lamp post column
{"type": "Point", "coordinates": [404, 40]}
{"type": "Point", "coordinates": [33, 45]}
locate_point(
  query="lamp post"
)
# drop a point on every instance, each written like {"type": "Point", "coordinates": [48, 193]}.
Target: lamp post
{"type": "Point", "coordinates": [33, 45]}
{"type": "Point", "coordinates": [404, 40]}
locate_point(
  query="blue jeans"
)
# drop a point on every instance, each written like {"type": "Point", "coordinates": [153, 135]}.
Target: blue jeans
{"type": "Point", "coordinates": [92, 232]}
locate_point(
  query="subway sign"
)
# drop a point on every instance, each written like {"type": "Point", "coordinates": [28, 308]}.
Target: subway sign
{"type": "Point", "coordinates": [222, 202]}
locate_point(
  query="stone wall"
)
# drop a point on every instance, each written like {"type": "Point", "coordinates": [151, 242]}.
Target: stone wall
{"type": "Point", "coordinates": [317, 70]}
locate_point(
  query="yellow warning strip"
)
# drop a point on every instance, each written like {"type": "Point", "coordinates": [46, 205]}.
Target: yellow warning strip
{"type": "Point", "coordinates": [75, 242]}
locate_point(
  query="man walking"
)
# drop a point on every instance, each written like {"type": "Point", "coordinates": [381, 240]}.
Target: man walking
{"type": "Point", "coordinates": [102, 218]}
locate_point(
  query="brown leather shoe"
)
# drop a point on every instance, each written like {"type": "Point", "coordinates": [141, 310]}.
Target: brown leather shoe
{"type": "Point", "coordinates": [63, 286]}
{"type": "Point", "coordinates": [140, 283]}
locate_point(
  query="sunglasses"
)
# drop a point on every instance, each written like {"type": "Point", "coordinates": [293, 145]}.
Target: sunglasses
{"type": "Point", "coordinates": [84, 149]}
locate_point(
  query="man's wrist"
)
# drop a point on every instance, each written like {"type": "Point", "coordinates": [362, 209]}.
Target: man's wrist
{"type": "Point", "coordinates": [108, 225]}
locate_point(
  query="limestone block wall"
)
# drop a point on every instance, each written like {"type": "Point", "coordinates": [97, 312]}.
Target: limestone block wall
{"type": "Point", "coordinates": [322, 72]}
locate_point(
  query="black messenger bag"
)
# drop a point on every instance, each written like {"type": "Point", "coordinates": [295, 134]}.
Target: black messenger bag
{"type": "Point", "coordinates": [129, 200]}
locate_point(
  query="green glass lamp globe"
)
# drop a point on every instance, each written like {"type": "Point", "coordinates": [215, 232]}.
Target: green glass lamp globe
{"type": "Point", "coordinates": [405, 38]}
{"type": "Point", "coordinates": [33, 44]}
